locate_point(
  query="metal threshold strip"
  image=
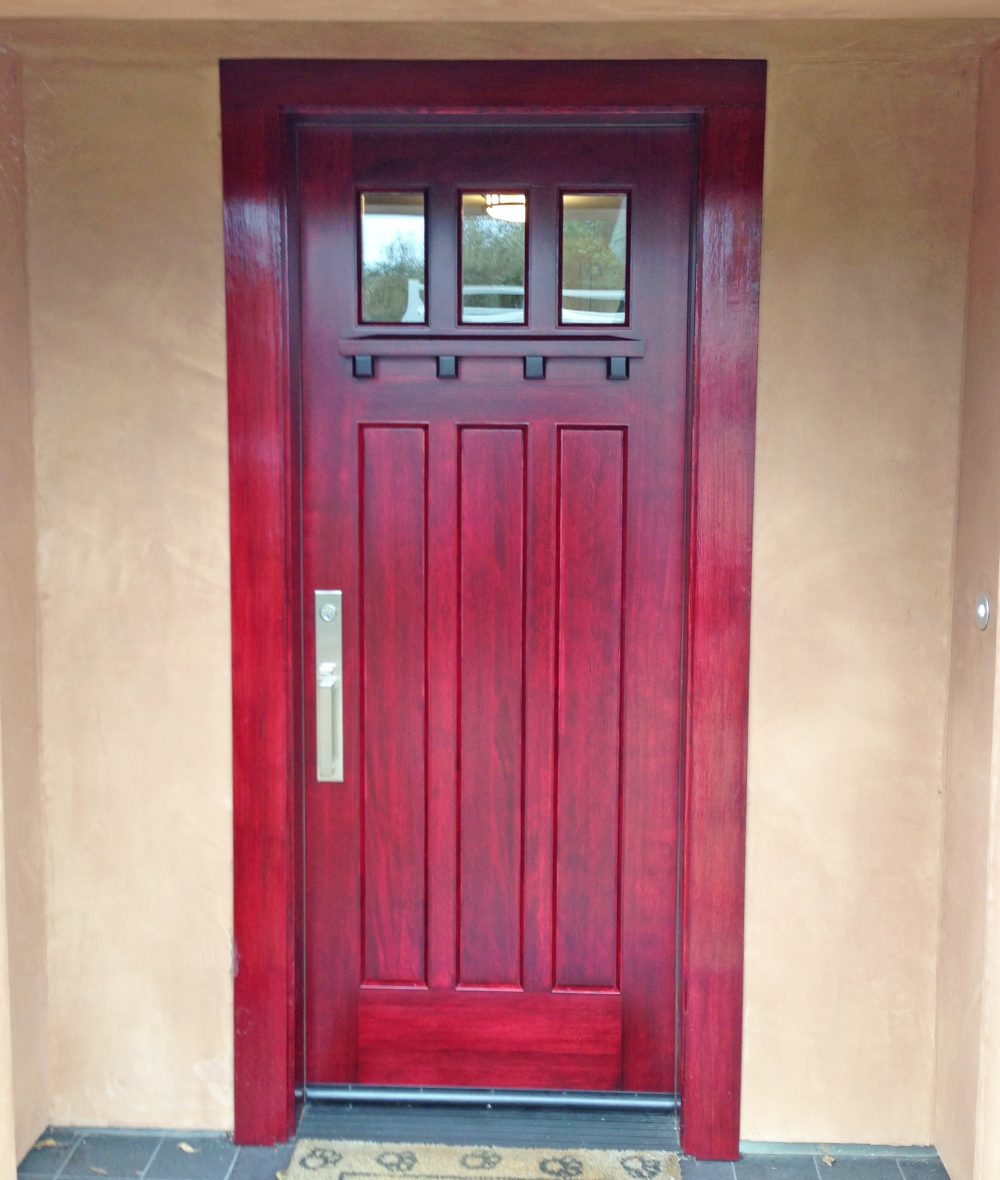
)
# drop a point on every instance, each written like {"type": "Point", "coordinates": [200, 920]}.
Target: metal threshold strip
{"type": "Point", "coordinates": [489, 1099]}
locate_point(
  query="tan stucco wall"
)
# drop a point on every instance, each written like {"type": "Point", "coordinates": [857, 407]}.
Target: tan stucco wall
{"type": "Point", "coordinates": [869, 175]}
{"type": "Point", "coordinates": [125, 253]}
{"type": "Point", "coordinates": [866, 216]}
{"type": "Point", "coordinates": [968, 1115]}
{"type": "Point", "coordinates": [23, 940]}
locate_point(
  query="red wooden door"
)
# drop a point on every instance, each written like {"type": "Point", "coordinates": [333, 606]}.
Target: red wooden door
{"type": "Point", "coordinates": [491, 889]}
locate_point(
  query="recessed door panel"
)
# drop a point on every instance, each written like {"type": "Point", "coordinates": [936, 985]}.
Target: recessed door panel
{"type": "Point", "coordinates": [591, 514]}
{"type": "Point", "coordinates": [492, 469]}
{"type": "Point", "coordinates": [393, 671]}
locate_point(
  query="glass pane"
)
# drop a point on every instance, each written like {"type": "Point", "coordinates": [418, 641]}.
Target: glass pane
{"type": "Point", "coordinates": [493, 232]}
{"type": "Point", "coordinates": [594, 258]}
{"type": "Point", "coordinates": [393, 258]}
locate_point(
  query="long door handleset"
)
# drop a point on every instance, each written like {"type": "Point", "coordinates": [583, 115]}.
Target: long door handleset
{"type": "Point", "coordinates": [329, 687]}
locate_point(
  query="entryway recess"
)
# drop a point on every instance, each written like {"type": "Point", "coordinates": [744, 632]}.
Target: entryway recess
{"type": "Point", "coordinates": [492, 360]}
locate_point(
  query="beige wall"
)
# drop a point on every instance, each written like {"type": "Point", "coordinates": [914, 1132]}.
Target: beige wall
{"type": "Point", "coordinates": [967, 1118]}
{"type": "Point", "coordinates": [23, 940]}
{"type": "Point", "coordinates": [125, 254]}
{"type": "Point", "coordinates": [869, 180]}
{"type": "Point", "coordinates": [866, 220]}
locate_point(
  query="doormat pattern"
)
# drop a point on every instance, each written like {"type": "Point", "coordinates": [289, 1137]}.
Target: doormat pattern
{"type": "Point", "coordinates": [349, 1159]}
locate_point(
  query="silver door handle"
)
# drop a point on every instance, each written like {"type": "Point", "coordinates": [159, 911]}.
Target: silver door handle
{"type": "Point", "coordinates": [329, 688]}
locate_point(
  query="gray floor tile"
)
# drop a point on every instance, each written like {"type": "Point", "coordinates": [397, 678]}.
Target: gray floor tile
{"type": "Point", "coordinates": [706, 1170]}
{"type": "Point", "coordinates": [777, 1167]}
{"type": "Point", "coordinates": [262, 1163]}
{"type": "Point", "coordinates": [122, 1155]}
{"type": "Point", "coordinates": [46, 1161]}
{"type": "Point", "coordinates": [861, 1168]}
{"type": "Point", "coordinates": [111, 1155]}
{"type": "Point", "coordinates": [195, 1157]}
{"type": "Point", "coordinates": [930, 1169]}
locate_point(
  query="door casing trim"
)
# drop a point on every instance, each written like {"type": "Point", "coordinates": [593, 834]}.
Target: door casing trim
{"type": "Point", "coordinates": [258, 100]}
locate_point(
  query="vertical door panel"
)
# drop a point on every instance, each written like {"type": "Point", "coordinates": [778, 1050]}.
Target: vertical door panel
{"type": "Point", "coordinates": [588, 761]}
{"type": "Point", "coordinates": [394, 639]}
{"type": "Point", "coordinates": [491, 704]}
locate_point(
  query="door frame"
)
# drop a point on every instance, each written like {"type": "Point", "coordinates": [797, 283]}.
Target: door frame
{"type": "Point", "coordinates": [259, 101]}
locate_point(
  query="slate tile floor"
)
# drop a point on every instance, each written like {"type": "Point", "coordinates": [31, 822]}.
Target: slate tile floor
{"type": "Point", "coordinates": [811, 1167]}
{"type": "Point", "coordinates": [125, 1155]}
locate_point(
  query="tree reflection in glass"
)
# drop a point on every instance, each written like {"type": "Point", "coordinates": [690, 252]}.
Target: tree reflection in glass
{"type": "Point", "coordinates": [594, 258]}
{"type": "Point", "coordinates": [493, 258]}
{"type": "Point", "coordinates": [393, 258]}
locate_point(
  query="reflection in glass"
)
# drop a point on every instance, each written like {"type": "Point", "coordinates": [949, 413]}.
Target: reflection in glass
{"type": "Point", "coordinates": [594, 258]}
{"type": "Point", "coordinates": [493, 236]}
{"type": "Point", "coordinates": [393, 258]}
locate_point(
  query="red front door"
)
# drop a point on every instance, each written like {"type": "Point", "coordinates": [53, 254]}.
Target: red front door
{"type": "Point", "coordinates": [494, 341]}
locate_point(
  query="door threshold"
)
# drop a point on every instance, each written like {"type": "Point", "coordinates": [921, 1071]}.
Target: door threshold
{"type": "Point", "coordinates": [489, 1099]}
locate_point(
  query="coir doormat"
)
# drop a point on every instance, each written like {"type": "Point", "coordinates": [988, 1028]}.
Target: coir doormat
{"type": "Point", "coordinates": [348, 1159]}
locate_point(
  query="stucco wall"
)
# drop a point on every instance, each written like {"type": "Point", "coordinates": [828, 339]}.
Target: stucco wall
{"type": "Point", "coordinates": [125, 255]}
{"type": "Point", "coordinates": [967, 1129]}
{"type": "Point", "coordinates": [869, 178]}
{"type": "Point", "coordinates": [866, 212]}
{"type": "Point", "coordinates": [22, 933]}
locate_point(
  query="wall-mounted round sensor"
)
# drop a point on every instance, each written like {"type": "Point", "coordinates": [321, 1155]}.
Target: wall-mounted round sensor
{"type": "Point", "coordinates": [983, 611]}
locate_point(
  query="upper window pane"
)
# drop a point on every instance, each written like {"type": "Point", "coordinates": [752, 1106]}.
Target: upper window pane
{"type": "Point", "coordinates": [493, 236]}
{"type": "Point", "coordinates": [393, 258]}
{"type": "Point", "coordinates": [594, 258]}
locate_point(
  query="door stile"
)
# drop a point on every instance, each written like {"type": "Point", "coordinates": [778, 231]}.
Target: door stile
{"type": "Point", "coordinates": [442, 706]}
{"type": "Point", "coordinates": [331, 803]}
{"type": "Point", "coordinates": [539, 771]}
{"type": "Point", "coordinates": [651, 824]}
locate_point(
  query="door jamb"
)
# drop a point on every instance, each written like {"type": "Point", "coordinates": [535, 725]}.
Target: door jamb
{"type": "Point", "coordinates": [258, 99]}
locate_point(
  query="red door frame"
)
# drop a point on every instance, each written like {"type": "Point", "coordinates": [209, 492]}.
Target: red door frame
{"type": "Point", "coordinates": [259, 99]}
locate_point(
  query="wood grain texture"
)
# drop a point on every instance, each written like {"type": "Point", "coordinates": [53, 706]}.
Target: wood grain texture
{"type": "Point", "coordinates": [333, 865]}
{"type": "Point", "coordinates": [719, 632]}
{"type": "Point", "coordinates": [588, 783]}
{"type": "Point", "coordinates": [727, 100]}
{"type": "Point", "coordinates": [443, 691]}
{"type": "Point", "coordinates": [524, 512]}
{"type": "Point", "coordinates": [491, 589]}
{"type": "Point", "coordinates": [393, 670]}
{"type": "Point", "coordinates": [502, 530]}
{"type": "Point", "coordinates": [578, 342]}
{"type": "Point", "coordinates": [267, 989]}
{"type": "Point", "coordinates": [505, 1039]}
{"type": "Point", "coordinates": [472, 87]}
